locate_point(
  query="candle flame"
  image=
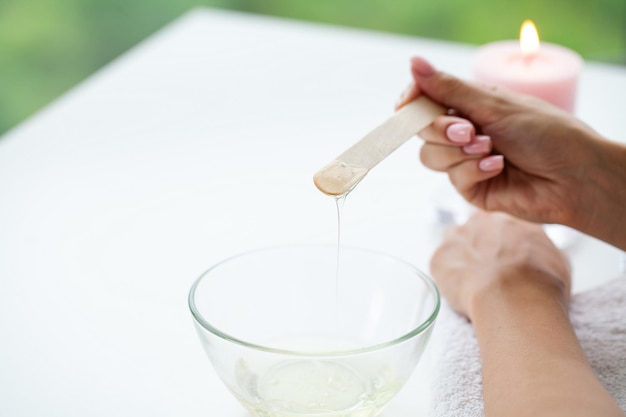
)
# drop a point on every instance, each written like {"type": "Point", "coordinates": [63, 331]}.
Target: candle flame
{"type": "Point", "coordinates": [529, 39]}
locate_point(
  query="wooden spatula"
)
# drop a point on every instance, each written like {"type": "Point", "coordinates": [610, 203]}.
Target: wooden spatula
{"type": "Point", "coordinates": [342, 174]}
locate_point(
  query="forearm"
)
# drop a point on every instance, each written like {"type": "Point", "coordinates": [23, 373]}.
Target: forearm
{"type": "Point", "coordinates": [533, 364]}
{"type": "Point", "coordinates": [601, 211]}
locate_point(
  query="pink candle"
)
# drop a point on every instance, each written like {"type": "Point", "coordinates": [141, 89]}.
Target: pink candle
{"type": "Point", "coordinates": [546, 71]}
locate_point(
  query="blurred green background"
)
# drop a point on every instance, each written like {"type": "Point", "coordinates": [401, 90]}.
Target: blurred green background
{"type": "Point", "coordinates": [48, 46]}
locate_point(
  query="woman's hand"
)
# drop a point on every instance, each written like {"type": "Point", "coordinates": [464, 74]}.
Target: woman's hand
{"type": "Point", "coordinates": [509, 279]}
{"type": "Point", "coordinates": [518, 154]}
{"type": "Point", "coordinates": [493, 254]}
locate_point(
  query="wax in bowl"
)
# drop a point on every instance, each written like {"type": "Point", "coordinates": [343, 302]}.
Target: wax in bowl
{"type": "Point", "coordinates": [310, 331]}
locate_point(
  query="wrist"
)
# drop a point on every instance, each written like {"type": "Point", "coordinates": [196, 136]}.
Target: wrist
{"type": "Point", "coordinates": [532, 361]}
{"type": "Point", "coordinates": [600, 211]}
{"type": "Point", "coordinates": [515, 290]}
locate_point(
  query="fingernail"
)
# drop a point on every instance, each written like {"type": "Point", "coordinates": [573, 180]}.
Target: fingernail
{"type": "Point", "coordinates": [459, 132]}
{"type": "Point", "coordinates": [422, 67]}
{"type": "Point", "coordinates": [491, 163]}
{"type": "Point", "coordinates": [405, 95]}
{"type": "Point", "coordinates": [481, 144]}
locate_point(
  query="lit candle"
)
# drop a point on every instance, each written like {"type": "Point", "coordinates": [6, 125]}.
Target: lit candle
{"type": "Point", "coordinates": [546, 71]}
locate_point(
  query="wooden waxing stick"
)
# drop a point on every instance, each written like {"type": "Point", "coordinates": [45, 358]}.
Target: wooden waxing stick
{"type": "Point", "coordinates": [345, 172]}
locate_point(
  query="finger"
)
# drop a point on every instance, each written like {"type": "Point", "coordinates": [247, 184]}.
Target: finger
{"type": "Point", "coordinates": [491, 164]}
{"type": "Point", "coordinates": [480, 145]}
{"type": "Point", "coordinates": [467, 98]}
{"type": "Point", "coordinates": [448, 130]}
{"type": "Point", "coordinates": [410, 93]}
{"type": "Point", "coordinates": [466, 175]}
{"type": "Point", "coordinates": [442, 158]}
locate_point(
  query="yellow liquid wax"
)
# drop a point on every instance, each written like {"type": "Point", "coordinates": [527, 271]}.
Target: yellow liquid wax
{"type": "Point", "coordinates": [318, 388]}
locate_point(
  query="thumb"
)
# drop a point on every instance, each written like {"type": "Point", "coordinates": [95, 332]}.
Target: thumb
{"type": "Point", "coordinates": [470, 100]}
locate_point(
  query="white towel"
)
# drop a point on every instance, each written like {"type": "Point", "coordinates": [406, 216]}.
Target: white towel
{"type": "Point", "coordinates": [598, 316]}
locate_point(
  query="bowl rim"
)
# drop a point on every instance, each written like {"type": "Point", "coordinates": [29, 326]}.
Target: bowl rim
{"type": "Point", "coordinates": [421, 328]}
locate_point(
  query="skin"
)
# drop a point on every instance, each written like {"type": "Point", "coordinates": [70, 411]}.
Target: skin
{"type": "Point", "coordinates": [515, 154]}
{"type": "Point", "coordinates": [523, 156]}
{"type": "Point", "coordinates": [510, 280]}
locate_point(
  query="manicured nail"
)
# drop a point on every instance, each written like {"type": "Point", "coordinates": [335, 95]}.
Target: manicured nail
{"type": "Point", "coordinates": [422, 67]}
{"type": "Point", "coordinates": [481, 144]}
{"type": "Point", "coordinates": [459, 132]}
{"type": "Point", "coordinates": [491, 163]}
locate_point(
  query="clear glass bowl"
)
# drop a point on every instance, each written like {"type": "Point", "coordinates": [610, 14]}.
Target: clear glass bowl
{"type": "Point", "coordinates": [310, 331]}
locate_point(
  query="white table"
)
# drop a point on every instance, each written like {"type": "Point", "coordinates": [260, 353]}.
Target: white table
{"type": "Point", "coordinates": [198, 144]}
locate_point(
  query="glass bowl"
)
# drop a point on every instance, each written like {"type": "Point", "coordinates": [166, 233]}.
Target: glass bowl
{"type": "Point", "coordinates": [313, 330]}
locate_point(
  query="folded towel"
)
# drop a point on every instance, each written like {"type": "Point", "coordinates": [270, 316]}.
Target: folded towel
{"type": "Point", "coordinates": [598, 316]}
